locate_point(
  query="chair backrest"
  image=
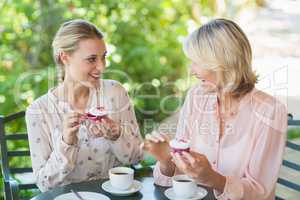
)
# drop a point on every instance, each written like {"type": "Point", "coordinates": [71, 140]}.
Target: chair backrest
{"type": "Point", "coordinates": [7, 155]}
{"type": "Point", "coordinates": [290, 164]}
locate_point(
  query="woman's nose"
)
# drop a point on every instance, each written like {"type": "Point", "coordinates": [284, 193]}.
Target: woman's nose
{"type": "Point", "coordinates": [100, 66]}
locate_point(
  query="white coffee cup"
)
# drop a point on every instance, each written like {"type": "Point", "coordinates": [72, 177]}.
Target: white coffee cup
{"type": "Point", "coordinates": [183, 186]}
{"type": "Point", "coordinates": [121, 177]}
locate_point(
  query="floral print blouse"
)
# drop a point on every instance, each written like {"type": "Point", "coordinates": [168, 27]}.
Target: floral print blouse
{"type": "Point", "coordinates": [56, 163]}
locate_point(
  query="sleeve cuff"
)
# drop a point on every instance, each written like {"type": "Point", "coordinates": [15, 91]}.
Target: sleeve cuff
{"type": "Point", "coordinates": [233, 190]}
{"type": "Point", "coordinates": [160, 179]}
{"type": "Point", "coordinates": [67, 153]}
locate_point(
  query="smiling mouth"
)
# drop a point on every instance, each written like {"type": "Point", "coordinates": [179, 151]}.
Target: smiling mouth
{"type": "Point", "coordinates": [94, 76]}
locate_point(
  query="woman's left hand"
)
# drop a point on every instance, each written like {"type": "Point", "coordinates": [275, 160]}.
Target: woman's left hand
{"type": "Point", "coordinates": [197, 166]}
{"type": "Point", "coordinates": [111, 130]}
{"type": "Point", "coordinates": [107, 128]}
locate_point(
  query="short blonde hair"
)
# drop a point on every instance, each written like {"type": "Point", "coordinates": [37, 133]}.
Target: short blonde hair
{"type": "Point", "coordinates": [67, 38]}
{"type": "Point", "coordinates": [223, 47]}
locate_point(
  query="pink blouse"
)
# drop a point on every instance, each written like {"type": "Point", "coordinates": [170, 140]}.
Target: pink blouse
{"type": "Point", "coordinates": [250, 151]}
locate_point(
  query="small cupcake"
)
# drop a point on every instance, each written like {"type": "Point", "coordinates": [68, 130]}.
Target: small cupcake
{"type": "Point", "coordinates": [96, 114]}
{"type": "Point", "coordinates": [178, 146]}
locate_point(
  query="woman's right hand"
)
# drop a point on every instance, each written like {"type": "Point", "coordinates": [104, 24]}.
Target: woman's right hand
{"type": "Point", "coordinates": [71, 126]}
{"type": "Point", "coordinates": [157, 144]}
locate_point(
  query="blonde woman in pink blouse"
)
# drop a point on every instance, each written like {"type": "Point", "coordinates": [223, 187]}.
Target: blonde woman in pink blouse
{"type": "Point", "coordinates": [64, 147]}
{"type": "Point", "coordinates": [237, 132]}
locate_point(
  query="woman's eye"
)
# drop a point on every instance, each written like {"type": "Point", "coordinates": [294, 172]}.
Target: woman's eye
{"type": "Point", "coordinates": [92, 60]}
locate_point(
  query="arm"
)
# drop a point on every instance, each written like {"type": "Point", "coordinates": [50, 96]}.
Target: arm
{"type": "Point", "coordinates": [127, 147]}
{"type": "Point", "coordinates": [163, 172]}
{"type": "Point", "coordinates": [262, 172]}
{"type": "Point", "coordinates": [51, 163]}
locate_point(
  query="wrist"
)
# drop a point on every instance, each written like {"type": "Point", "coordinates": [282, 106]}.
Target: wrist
{"type": "Point", "coordinates": [167, 169]}
{"type": "Point", "coordinates": [165, 160]}
{"type": "Point", "coordinates": [163, 165]}
{"type": "Point", "coordinates": [218, 182]}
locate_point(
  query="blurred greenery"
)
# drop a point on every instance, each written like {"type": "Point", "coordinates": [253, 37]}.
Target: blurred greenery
{"type": "Point", "coordinates": [143, 37]}
{"type": "Point", "coordinates": [293, 133]}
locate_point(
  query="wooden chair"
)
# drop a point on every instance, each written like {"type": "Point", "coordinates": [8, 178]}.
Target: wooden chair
{"type": "Point", "coordinates": [11, 186]}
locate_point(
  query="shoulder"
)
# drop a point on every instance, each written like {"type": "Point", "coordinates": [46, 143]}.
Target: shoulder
{"type": "Point", "coordinates": [267, 105]}
{"type": "Point", "coordinates": [195, 92]}
{"type": "Point", "coordinates": [38, 105]}
{"type": "Point", "coordinates": [197, 100]}
{"type": "Point", "coordinates": [269, 111]}
{"type": "Point", "coordinates": [197, 97]}
{"type": "Point", "coordinates": [114, 87]}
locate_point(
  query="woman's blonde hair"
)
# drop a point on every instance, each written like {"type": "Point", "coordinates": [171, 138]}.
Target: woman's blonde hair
{"type": "Point", "coordinates": [223, 47]}
{"type": "Point", "coordinates": [67, 38]}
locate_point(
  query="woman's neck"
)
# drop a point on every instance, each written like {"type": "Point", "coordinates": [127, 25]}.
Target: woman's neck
{"type": "Point", "coordinates": [75, 94]}
{"type": "Point", "coordinates": [75, 90]}
{"type": "Point", "coordinates": [227, 103]}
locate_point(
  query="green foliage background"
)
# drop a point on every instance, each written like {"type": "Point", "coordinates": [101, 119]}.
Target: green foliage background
{"type": "Point", "coordinates": [143, 37]}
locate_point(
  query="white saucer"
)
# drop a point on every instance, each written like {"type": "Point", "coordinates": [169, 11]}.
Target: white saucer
{"type": "Point", "coordinates": [136, 186]}
{"type": "Point", "coordinates": [85, 196]}
{"type": "Point", "coordinates": [200, 194]}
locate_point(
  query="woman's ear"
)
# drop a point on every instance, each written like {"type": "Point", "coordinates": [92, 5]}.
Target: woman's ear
{"type": "Point", "coordinates": [64, 57]}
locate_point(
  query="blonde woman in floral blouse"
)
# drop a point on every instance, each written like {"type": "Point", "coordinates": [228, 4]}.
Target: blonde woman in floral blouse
{"type": "Point", "coordinates": [64, 148]}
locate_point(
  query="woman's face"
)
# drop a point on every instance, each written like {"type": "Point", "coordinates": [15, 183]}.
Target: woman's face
{"type": "Point", "coordinates": [87, 63]}
{"type": "Point", "coordinates": [207, 77]}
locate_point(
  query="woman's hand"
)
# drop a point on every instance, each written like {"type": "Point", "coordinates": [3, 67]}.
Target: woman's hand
{"type": "Point", "coordinates": [107, 128]}
{"type": "Point", "coordinates": [71, 126]}
{"type": "Point", "coordinates": [157, 145]}
{"type": "Point", "coordinates": [198, 167]}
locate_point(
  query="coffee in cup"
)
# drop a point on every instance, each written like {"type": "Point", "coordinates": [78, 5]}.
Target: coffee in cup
{"type": "Point", "coordinates": [121, 177]}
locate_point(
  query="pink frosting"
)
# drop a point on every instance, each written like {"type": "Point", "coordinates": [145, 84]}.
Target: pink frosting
{"type": "Point", "coordinates": [95, 114]}
{"type": "Point", "coordinates": [179, 145]}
